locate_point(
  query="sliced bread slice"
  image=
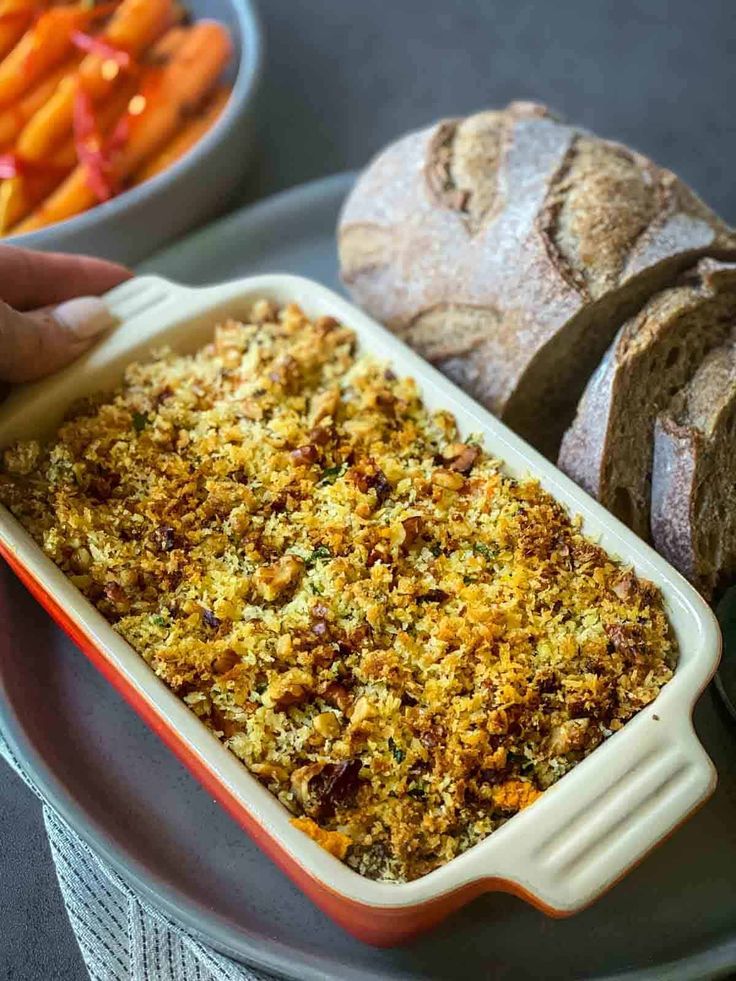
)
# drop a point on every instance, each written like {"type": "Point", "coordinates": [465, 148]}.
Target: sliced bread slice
{"type": "Point", "coordinates": [608, 448]}
{"type": "Point", "coordinates": [694, 475]}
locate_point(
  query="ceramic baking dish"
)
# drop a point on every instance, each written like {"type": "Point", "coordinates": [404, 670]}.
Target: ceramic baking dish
{"type": "Point", "coordinates": [577, 840]}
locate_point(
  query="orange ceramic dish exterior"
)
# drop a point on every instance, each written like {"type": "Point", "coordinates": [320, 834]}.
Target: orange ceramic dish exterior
{"type": "Point", "coordinates": [560, 854]}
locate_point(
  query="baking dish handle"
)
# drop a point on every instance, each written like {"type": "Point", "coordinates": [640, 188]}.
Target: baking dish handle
{"type": "Point", "coordinates": [588, 830]}
{"type": "Point", "coordinates": [142, 294]}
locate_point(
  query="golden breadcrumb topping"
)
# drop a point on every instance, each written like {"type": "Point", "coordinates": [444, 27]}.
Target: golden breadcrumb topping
{"type": "Point", "coordinates": [404, 643]}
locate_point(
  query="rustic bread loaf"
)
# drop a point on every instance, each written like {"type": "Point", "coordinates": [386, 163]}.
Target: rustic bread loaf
{"type": "Point", "coordinates": [507, 248]}
{"type": "Point", "coordinates": [608, 448]}
{"type": "Point", "coordinates": [694, 478]}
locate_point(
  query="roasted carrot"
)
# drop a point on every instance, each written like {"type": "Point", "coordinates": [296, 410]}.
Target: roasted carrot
{"type": "Point", "coordinates": [166, 47]}
{"type": "Point", "coordinates": [15, 18]}
{"type": "Point", "coordinates": [14, 118]}
{"type": "Point", "coordinates": [43, 46]}
{"type": "Point", "coordinates": [165, 100]}
{"type": "Point", "coordinates": [190, 134]}
{"type": "Point", "coordinates": [27, 188]}
{"type": "Point", "coordinates": [152, 119]}
{"type": "Point", "coordinates": [134, 26]}
{"type": "Point", "coordinates": [20, 194]}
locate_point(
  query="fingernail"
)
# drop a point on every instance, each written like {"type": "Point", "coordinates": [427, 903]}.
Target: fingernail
{"type": "Point", "coordinates": [85, 316]}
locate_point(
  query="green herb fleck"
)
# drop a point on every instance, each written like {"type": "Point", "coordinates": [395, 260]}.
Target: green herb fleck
{"type": "Point", "coordinates": [469, 580]}
{"type": "Point", "coordinates": [416, 791]}
{"type": "Point", "coordinates": [158, 620]}
{"type": "Point", "coordinates": [321, 553]}
{"type": "Point", "coordinates": [436, 550]}
{"type": "Point", "coordinates": [485, 550]}
{"type": "Point", "coordinates": [330, 475]}
{"type": "Point", "coordinates": [317, 590]}
{"type": "Point", "coordinates": [397, 753]}
{"type": "Point", "coordinates": [140, 421]}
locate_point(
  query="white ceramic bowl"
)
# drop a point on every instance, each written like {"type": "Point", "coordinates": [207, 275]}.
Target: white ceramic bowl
{"type": "Point", "coordinates": [578, 838]}
{"type": "Point", "coordinates": [197, 187]}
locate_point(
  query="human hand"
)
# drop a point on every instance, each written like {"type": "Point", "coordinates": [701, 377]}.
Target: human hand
{"type": "Point", "coordinates": [50, 312]}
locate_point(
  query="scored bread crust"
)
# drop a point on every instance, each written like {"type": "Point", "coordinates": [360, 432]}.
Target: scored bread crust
{"type": "Point", "coordinates": [693, 480]}
{"type": "Point", "coordinates": [608, 448]}
{"type": "Point", "coordinates": [507, 248]}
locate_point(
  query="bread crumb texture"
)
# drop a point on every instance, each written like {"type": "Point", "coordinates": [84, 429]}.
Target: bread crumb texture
{"type": "Point", "coordinates": [402, 642]}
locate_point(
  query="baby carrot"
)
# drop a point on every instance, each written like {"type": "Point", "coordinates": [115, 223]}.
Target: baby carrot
{"type": "Point", "coordinates": [20, 194]}
{"type": "Point", "coordinates": [131, 29]}
{"type": "Point", "coordinates": [14, 21]}
{"type": "Point", "coordinates": [158, 111]}
{"type": "Point", "coordinates": [14, 118]}
{"type": "Point", "coordinates": [191, 133]}
{"type": "Point", "coordinates": [152, 119]}
{"type": "Point", "coordinates": [40, 49]}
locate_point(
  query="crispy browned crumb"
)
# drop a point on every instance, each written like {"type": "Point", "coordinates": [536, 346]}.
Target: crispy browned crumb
{"type": "Point", "coordinates": [405, 644]}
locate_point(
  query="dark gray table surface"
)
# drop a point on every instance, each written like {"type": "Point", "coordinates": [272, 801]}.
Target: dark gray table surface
{"type": "Point", "coordinates": [343, 77]}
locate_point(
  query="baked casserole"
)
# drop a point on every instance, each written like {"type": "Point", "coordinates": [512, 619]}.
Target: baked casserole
{"type": "Point", "coordinates": [404, 643]}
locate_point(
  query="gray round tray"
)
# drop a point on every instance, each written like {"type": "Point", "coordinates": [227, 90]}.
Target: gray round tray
{"type": "Point", "coordinates": [126, 795]}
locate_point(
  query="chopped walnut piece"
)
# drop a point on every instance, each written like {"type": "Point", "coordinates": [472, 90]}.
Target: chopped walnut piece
{"type": "Point", "coordinates": [323, 405]}
{"type": "Point", "coordinates": [82, 560]}
{"type": "Point", "coordinates": [272, 580]}
{"type": "Point", "coordinates": [326, 324]}
{"type": "Point", "coordinates": [321, 787]}
{"type": "Point", "coordinates": [412, 530]}
{"type": "Point", "coordinates": [117, 596]}
{"type": "Point", "coordinates": [448, 479]}
{"type": "Point", "coordinates": [327, 725]}
{"type": "Point", "coordinates": [369, 477]}
{"type": "Point", "coordinates": [626, 586]}
{"type": "Point", "coordinates": [461, 457]}
{"type": "Point", "coordinates": [286, 373]}
{"type": "Point", "coordinates": [263, 311]}
{"type": "Point", "coordinates": [362, 710]}
{"type": "Point", "coordinates": [301, 778]}
{"type": "Point", "coordinates": [625, 638]}
{"type": "Point", "coordinates": [319, 435]}
{"type": "Point", "coordinates": [270, 772]}
{"type": "Point", "coordinates": [305, 456]}
{"type": "Point", "coordinates": [567, 737]}
{"type": "Point", "coordinates": [335, 694]}
{"type": "Point", "coordinates": [225, 662]}
{"type": "Point", "coordinates": [290, 687]}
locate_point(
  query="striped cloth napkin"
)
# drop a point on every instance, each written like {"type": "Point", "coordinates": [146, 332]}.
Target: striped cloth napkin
{"type": "Point", "coordinates": [120, 935]}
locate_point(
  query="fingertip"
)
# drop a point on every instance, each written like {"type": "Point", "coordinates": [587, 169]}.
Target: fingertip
{"type": "Point", "coordinates": [84, 317]}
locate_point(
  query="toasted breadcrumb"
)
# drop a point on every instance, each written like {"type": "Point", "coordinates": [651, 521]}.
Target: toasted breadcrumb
{"type": "Point", "coordinates": [404, 643]}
